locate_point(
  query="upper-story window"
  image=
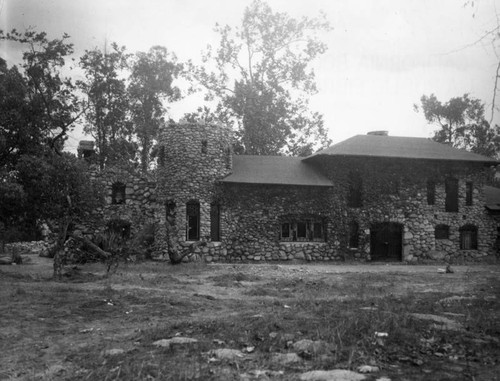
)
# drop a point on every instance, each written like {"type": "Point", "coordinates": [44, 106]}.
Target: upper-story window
{"type": "Point", "coordinates": [355, 195]}
{"type": "Point", "coordinates": [193, 221]}
{"type": "Point", "coordinates": [442, 232]}
{"type": "Point", "coordinates": [469, 190]}
{"type": "Point", "coordinates": [431, 192]}
{"type": "Point", "coordinates": [451, 190]}
{"type": "Point", "coordinates": [118, 193]}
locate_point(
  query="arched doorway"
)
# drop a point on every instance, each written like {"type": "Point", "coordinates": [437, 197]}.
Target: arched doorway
{"type": "Point", "coordinates": [386, 241]}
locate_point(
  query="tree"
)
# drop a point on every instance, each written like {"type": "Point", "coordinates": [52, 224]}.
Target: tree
{"type": "Point", "coordinates": [53, 106]}
{"type": "Point", "coordinates": [151, 82]}
{"type": "Point", "coordinates": [262, 79]}
{"type": "Point", "coordinates": [107, 103]}
{"type": "Point", "coordinates": [462, 124]}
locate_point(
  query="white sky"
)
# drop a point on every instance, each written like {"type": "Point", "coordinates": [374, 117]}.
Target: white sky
{"type": "Point", "coordinates": [383, 54]}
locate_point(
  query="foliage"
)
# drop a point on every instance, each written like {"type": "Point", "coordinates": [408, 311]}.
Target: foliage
{"type": "Point", "coordinates": [151, 82]}
{"type": "Point", "coordinates": [49, 98]}
{"type": "Point", "coordinates": [107, 103]}
{"type": "Point", "coordinates": [462, 124]}
{"type": "Point", "coordinates": [262, 79]}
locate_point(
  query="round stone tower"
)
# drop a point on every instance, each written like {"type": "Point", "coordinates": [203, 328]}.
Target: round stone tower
{"type": "Point", "coordinates": [192, 158]}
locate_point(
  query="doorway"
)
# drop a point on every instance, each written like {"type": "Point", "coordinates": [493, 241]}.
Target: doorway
{"type": "Point", "coordinates": [386, 241]}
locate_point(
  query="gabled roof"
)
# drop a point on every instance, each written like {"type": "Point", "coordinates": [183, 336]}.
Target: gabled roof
{"type": "Point", "coordinates": [278, 170]}
{"type": "Point", "coordinates": [400, 147]}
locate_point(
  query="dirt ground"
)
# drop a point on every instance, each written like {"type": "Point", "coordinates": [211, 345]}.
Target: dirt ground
{"type": "Point", "coordinates": [89, 326]}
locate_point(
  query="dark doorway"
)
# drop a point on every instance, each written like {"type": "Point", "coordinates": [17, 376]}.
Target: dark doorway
{"type": "Point", "coordinates": [386, 241]}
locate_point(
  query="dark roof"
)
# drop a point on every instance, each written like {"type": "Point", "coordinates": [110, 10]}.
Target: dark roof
{"type": "Point", "coordinates": [400, 147]}
{"type": "Point", "coordinates": [279, 170]}
{"type": "Point", "coordinates": [492, 195]}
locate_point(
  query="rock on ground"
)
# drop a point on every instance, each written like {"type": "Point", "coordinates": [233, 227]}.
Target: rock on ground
{"type": "Point", "coordinates": [331, 375]}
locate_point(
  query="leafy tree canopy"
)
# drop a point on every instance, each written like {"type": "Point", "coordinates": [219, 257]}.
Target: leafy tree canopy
{"type": "Point", "coordinates": [262, 79]}
{"type": "Point", "coordinates": [462, 124]}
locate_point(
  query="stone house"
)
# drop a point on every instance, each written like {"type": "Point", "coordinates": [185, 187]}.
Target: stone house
{"type": "Point", "coordinates": [370, 197]}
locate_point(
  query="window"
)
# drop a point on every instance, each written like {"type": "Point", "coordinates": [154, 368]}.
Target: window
{"type": "Point", "coordinates": [303, 230]}
{"type": "Point", "coordinates": [468, 237]}
{"type": "Point", "coordinates": [118, 193]}
{"type": "Point", "coordinates": [354, 234]}
{"type": "Point", "coordinates": [204, 146]}
{"type": "Point", "coordinates": [215, 222]}
{"type": "Point", "coordinates": [354, 198]}
{"type": "Point", "coordinates": [170, 209]}
{"type": "Point", "coordinates": [451, 189]}
{"type": "Point", "coordinates": [161, 156]}
{"type": "Point", "coordinates": [469, 189]}
{"type": "Point", "coordinates": [193, 221]}
{"type": "Point", "coordinates": [431, 192]}
{"type": "Point", "coordinates": [228, 157]}
{"type": "Point", "coordinates": [442, 232]}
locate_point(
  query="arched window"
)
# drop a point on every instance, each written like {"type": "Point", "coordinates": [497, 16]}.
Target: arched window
{"type": "Point", "coordinates": [118, 193]}
{"type": "Point", "coordinates": [468, 237]}
{"type": "Point", "coordinates": [193, 221]}
{"type": "Point", "coordinates": [353, 234]}
{"type": "Point", "coordinates": [442, 232]}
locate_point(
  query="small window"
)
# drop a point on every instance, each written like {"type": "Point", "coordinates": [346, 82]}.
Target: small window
{"type": "Point", "coordinates": [354, 234]}
{"type": "Point", "coordinates": [193, 221]}
{"type": "Point", "coordinates": [118, 193]}
{"type": "Point", "coordinates": [468, 237]}
{"type": "Point", "coordinates": [469, 189]}
{"type": "Point", "coordinates": [451, 189]}
{"type": "Point", "coordinates": [303, 230]}
{"type": "Point", "coordinates": [204, 146]}
{"type": "Point", "coordinates": [355, 196]}
{"type": "Point", "coordinates": [431, 192]}
{"type": "Point", "coordinates": [215, 222]}
{"type": "Point", "coordinates": [442, 232]}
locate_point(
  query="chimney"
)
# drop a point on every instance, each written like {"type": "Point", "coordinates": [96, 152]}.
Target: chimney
{"type": "Point", "coordinates": [378, 133]}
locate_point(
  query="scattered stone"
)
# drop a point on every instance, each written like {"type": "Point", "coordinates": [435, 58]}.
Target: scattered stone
{"type": "Point", "coordinates": [311, 347]}
{"type": "Point", "coordinates": [286, 358]}
{"type": "Point", "coordinates": [368, 369]}
{"type": "Point", "coordinates": [331, 375]}
{"type": "Point", "coordinates": [442, 322]}
{"type": "Point", "coordinates": [226, 354]}
{"type": "Point", "coordinates": [113, 352]}
{"type": "Point", "coordinates": [167, 343]}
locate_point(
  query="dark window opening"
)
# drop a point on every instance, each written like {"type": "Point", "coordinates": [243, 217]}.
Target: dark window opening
{"type": "Point", "coordinates": [228, 157]}
{"type": "Point", "coordinates": [215, 222]}
{"type": "Point", "coordinates": [118, 193]}
{"type": "Point", "coordinates": [468, 237]}
{"type": "Point", "coordinates": [303, 230]}
{"type": "Point", "coordinates": [193, 221]}
{"type": "Point", "coordinates": [170, 208]}
{"type": "Point", "coordinates": [355, 196]}
{"type": "Point", "coordinates": [469, 189]}
{"type": "Point", "coordinates": [431, 192]}
{"type": "Point", "coordinates": [442, 232]}
{"type": "Point", "coordinates": [451, 189]}
{"type": "Point", "coordinates": [161, 156]}
{"type": "Point", "coordinates": [119, 227]}
{"type": "Point", "coordinates": [354, 234]}
{"type": "Point", "coordinates": [204, 146]}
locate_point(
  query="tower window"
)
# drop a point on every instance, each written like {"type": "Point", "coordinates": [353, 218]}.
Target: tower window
{"type": "Point", "coordinates": [118, 193]}
{"type": "Point", "coordinates": [468, 237]}
{"type": "Point", "coordinates": [215, 222]}
{"type": "Point", "coordinates": [354, 234]}
{"type": "Point", "coordinates": [193, 221]}
{"type": "Point", "coordinates": [468, 193]}
{"type": "Point", "coordinates": [451, 189]}
{"type": "Point", "coordinates": [431, 192]}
